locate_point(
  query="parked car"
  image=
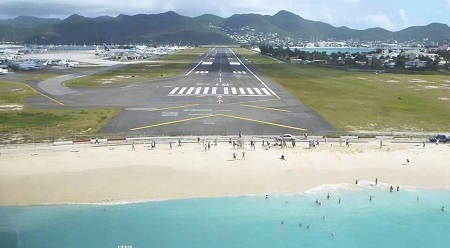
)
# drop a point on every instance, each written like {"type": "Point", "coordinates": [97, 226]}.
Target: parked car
{"type": "Point", "coordinates": [286, 137]}
{"type": "Point", "coordinates": [441, 137]}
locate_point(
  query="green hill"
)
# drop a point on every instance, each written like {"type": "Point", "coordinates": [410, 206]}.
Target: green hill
{"type": "Point", "coordinates": [171, 27]}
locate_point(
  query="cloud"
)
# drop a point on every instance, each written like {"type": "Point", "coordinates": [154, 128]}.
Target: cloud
{"type": "Point", "coordinates": [404, 18]}
{"type": "Point", "coordinates": [381, 21]}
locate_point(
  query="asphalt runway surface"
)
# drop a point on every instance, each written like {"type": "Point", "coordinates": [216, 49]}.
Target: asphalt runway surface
{"type": "Point", "coordinates": [221, 94]}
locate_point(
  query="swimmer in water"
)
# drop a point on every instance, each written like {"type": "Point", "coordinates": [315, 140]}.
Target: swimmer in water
{"type": "Point", "coordinates": [339, 200]}
{"type": "Point", "coordinates": [282, 222]}
{"type": "Point", "coordinates": [317, 201]}
{"type": "Point", "coordinates": [328, 196]}
{"type": "Point", "coordinates": [332, 234]}
{"type": "Point", "coordinates": [300, 224]}
{"type": "Point", "coordinates": [443, 209]}
{"type": "Point", "coordinates": [267, 196]}
{"type": "Point", "coordinates": [308, 227]}
{"type": "Point", "coordinates": [323, 217]}
{"type": "Point", "coordinates": [370, 197]}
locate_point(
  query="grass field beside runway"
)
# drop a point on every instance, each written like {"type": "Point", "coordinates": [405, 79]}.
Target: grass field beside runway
{"type": "Point", "coordinates": [166, 67]}
{"type": "Point", "coordinates": [19, 120]}
{"type": "Point", "coordinates": [365, 101]}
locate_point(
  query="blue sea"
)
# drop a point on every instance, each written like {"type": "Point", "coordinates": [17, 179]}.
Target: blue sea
{"type": "Point", "coordinates": [409, 218]}
{"type": "Point", "coordinates": [330, 50]}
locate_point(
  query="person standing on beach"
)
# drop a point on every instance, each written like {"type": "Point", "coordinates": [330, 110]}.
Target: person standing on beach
{"type": "Point", "coordinates": [229, 141]}
{"type": "Point", "coordinates": [423, 144]}
{"type": "Point", "coordinates": [381, 144]}
{"type": "Point", "coordinates": [376, 180]}
{"type": "Point", "coordinates": [179, 142]}
{"type": "Point", "coordinates": [198, 140]}
{"type": "Point", "coordinates": [243, 154]}
{"type": "Point", "coordinates": [234, 156]}
{"type": "Point", "coordinates": [398, 188]}
{"type": "Point", "coordinates": [170, 144]}
{"type": "Point", "coordinates": [132, 146]}
{"type": "Point", "coordinates": [282, 158]}
{"type": "Point", "coordinates": [391, 188]}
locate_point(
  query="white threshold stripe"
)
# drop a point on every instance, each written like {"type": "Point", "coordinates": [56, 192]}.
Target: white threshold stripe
{"type": "Point", "coordinates": [182, 90]}
{"type": "Point", "coordinates": [270, 90]}
{"type": "Point", "coordinates": [266, 91]}
{"type": "Point", "coordinates": [242, 91]}
{"type": "Point", "coordinates": [190, 90]}
{"type": "Point", "coordinates": [197, 91]}
{"type": "Point", "coordinates": [257, 91]}
{"type": "Point", "coordinates": [174, 90]}
{"type": "Point", "coordinates": [250, 91]}
{"type": "Point", "coordinates": [205, 90]}
{"type": "Point", "coordinates": [225, 91]}
{"type": "Point", "coordinates": [214, 90]}
{"type": "Point", "coordinates": [233, 91]}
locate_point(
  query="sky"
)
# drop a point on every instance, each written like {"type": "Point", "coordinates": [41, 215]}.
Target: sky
{"type": "Point", "coordinates": [392, 15]}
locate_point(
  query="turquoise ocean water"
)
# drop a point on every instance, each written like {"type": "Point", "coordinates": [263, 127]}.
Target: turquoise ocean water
{"type": "Point", "coordinates": [390, 220]}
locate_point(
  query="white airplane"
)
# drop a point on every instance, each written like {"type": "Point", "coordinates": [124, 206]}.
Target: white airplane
{"type": "Point", "coordinates": [115, 53]}
{"type": "Point", "coordinates": [67, 63]}
{"type": "Point", "coordinates": [3, 71]}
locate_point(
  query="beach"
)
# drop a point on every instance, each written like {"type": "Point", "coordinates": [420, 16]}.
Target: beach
{"type": "Point", "coordinates": [110, 173]}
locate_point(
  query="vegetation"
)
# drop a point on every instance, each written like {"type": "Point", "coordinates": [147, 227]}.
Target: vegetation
{"type": "Point", "coordinates": [169, 66]}
{"type": "Point", "coordinates": [26, 123]}
{"type": "Point", "coordinates": [171, 27]}
{"type": "Point", "coordinates": [365, 101]}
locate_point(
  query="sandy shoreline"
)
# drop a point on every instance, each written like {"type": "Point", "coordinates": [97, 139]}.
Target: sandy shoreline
{"type": "Point", "coordinates": [86, 173]}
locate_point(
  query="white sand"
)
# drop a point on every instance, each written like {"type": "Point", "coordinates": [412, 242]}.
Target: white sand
{"type": "Point", "coordinates": [94, 174]}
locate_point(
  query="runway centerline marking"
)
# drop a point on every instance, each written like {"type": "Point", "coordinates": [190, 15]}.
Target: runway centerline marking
{"type": "Point", "coordinates": [44, 95]}
{"type": "Point", "coordinates": [259, 107]}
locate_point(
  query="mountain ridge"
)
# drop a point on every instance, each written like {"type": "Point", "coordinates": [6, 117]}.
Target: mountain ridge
{"type": "Point", "coordinates": [171, 27]}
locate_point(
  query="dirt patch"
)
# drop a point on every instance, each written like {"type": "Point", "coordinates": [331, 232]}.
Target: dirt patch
{"type": "Point", "coordinates": [444, 98]}
{"type": "Point", "coordinates": [418, 81]}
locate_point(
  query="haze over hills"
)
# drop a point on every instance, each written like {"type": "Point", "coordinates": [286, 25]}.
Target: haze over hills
{"type": "Point", "coordinates": [171, 27]}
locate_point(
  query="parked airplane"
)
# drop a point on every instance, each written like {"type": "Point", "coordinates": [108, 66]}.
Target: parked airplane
{"type": "Point", "coordinates": [67, 63]}
{"type": "Point", "coordinates": [119, 53]}
{"type": "Point", "coordinates": [30, 65]}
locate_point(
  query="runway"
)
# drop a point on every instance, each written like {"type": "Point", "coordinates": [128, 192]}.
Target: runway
{"type": "Point", "coordinates": [220, 94]}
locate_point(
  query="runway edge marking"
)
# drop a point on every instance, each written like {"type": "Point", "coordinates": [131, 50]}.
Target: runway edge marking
{"type": "Point", "coordinates": [271, 91]}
